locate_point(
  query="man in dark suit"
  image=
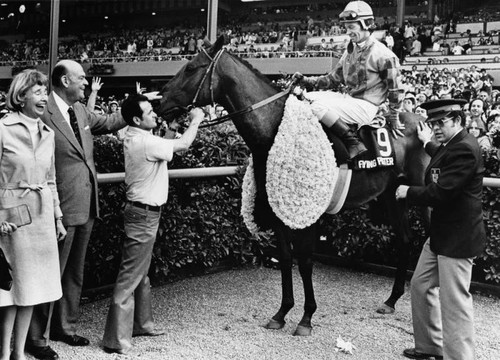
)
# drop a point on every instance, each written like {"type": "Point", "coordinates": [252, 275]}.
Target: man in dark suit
{"type": "Point", "coordinates": [442, 308]}
{"type": "Point", "coordinates": [73, 126]}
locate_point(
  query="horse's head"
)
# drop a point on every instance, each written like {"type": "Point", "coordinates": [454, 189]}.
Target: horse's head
{"type": "Point", "coordinates": [194, 84]}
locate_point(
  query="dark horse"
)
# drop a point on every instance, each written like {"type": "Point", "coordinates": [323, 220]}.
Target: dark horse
{"type": "Point", "coordinates": [217, 76]}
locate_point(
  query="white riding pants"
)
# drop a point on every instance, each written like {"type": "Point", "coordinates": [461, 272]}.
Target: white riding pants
{"type": "Point", "coordinates": [351, 110]}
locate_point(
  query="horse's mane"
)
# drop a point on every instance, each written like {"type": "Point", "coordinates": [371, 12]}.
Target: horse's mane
{"type": "Point", "coordinates": [251, 68]}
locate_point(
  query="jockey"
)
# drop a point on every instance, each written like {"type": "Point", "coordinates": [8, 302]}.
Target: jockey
{"type": "Point", "coordinates": [369, 71]}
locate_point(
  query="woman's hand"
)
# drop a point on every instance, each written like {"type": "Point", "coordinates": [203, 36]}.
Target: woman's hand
{"type": "Point", "coordinates": [60, 230]}
{"type": "Point", "coordinates": [7, 228]}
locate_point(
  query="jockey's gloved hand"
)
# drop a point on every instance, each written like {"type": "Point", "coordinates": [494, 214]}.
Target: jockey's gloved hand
{"type": "Point", "coordinates": [396, 126]}
{"type": "Point", "coordinates": [297, 78]}
{"type": "Point", "coordinates": [395, 98]}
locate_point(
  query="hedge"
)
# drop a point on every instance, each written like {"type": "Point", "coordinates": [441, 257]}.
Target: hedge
{"type": "Point", "coordinates": [201, 225]}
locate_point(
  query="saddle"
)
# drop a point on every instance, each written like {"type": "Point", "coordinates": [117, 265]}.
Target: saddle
{"type": "Point", "coordinates": [378, 141]}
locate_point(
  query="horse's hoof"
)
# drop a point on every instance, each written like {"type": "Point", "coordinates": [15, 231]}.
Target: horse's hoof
{"type": "Point", "coordinates": [385, 310]}
{"type": "Point", "coordinates": [302, 330]}
{"type": "Point", "coordinates": [275, 324]}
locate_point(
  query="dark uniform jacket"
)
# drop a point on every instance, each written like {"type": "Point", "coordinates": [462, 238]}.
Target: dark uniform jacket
{"type": "Point", "coordinates": [454, 182]}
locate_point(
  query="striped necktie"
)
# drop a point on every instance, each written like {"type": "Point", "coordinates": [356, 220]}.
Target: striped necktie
{"type": "Point", "coordinates": [74, 125]}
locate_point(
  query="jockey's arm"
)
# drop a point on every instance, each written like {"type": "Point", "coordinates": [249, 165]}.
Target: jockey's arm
{"type": "Point", "coordinates": [395, 96]}
{"type": "Point", "coordinates": [327, 81]}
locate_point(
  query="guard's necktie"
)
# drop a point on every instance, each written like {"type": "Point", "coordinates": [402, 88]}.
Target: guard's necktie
{"type": "Point", "coordinates": [74, 125]}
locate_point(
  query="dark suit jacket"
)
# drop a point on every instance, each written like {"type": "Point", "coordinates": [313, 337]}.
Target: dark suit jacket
{"type": "Point", "coordinates": [75, 170]}
{"type": "Point", "coordinates": [454, 183]}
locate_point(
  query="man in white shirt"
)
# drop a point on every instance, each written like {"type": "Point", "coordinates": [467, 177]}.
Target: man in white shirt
{"type": "Point", "coordinates": [146, 178]}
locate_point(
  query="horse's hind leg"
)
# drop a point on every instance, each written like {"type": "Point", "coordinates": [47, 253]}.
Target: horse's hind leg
{"type": "Point", "coordinates": [284, 238]}
{"type": "Point", "coordinates": [398, 213]}
{"type": "Point", "coordinates": [304, 246]}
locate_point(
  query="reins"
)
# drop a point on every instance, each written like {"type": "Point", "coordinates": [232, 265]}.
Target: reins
{"type": "Point", "coordinates": [224, 118]}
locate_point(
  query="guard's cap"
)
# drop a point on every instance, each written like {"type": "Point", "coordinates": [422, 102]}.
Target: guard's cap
{"type": "Point", "coordinates": [439, 109]}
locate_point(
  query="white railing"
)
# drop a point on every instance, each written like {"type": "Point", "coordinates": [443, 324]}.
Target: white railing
{"type": "Point", "coordinates": [222, 171]}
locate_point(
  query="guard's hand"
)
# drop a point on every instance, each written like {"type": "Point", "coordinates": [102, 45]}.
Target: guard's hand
{"type": "Point", "coordinates": [60, 230]}
{"type": "Point", "coordinates": [401, 192]}
{"type": "Point", "coordinates": [96, 84]}
{"type": "Point", "coordinates": [7, 228]}
{"type": "Point", "coordinates": [424, 132]}
{"type": "Point", "coordinates": [396, 126]}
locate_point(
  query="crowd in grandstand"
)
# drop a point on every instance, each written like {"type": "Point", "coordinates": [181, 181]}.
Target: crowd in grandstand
{"type": "Point", "coordinates": [275, 39]}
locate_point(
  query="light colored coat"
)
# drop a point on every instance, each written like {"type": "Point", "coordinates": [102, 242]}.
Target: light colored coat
{"type": "Point", "coordinates": [27, 176]}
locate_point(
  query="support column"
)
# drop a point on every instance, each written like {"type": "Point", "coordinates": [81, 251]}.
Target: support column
{"type": "Point", "coordinates": [213, 6]}
{"type": "Point", "coordinates": [54, 36]}
{"type": "Point", "coordinates": [431, 10]}
{"type": "Point", "coordinates": [400, 15]}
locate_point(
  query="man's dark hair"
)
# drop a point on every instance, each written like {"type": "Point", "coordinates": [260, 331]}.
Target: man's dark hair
{"type": "Point", "coordinates": [131, 108]}
{"type": "Point", "coordinates": [57, 73]}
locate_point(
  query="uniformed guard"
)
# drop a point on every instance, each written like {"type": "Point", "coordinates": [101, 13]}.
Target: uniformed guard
{"type": "Point", "coordinates": [443, 320]}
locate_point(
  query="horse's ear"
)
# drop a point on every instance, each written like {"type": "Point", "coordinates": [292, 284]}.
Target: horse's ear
{"type": "Point", "coordinates": [219, 43]}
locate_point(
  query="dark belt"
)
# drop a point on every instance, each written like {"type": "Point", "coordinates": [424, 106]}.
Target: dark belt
{"type": "Point", "coordinates": [145, 206]}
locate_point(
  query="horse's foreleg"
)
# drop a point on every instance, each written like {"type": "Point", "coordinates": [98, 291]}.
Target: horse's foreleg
{"type": "Point", "coordinates": [285, 258]}
{"type": "Point", "coordinates": [398, 212]}
{"type": "Point", "coordinates": [304, 249]}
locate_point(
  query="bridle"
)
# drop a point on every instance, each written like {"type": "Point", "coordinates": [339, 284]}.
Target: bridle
{"type": "Point", "coordinates": [209, 75]}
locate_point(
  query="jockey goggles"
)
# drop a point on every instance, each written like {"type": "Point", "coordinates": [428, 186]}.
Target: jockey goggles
{"type": "Point", "coordinates": [348, 15]}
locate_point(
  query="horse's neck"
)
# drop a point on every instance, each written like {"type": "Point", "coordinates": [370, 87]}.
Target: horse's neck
{"type": "Point", "coordinates": [243, 88]}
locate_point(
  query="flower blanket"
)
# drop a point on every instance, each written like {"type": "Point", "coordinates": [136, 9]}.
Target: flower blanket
{"type": "Point", "coordinates": [301, 170]}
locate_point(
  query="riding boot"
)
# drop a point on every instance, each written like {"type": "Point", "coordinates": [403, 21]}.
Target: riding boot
{"type": "Point", "coordinates": [349, 138]}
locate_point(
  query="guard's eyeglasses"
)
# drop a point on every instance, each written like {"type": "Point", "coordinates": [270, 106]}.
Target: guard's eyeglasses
{"type": "Point", "coordinates": [348, 15]}
{"type": "Point", "coordinates": [440, 122]}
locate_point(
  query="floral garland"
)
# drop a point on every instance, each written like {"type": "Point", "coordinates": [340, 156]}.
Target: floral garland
{"type": "Point", "coordinates": [301, 167]}
{"type": "Point", "coordinates": [248, 194]}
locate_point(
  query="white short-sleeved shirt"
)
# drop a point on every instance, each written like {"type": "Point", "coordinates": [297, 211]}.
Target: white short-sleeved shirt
{"type": "Point", "coordinates": [146, 171]}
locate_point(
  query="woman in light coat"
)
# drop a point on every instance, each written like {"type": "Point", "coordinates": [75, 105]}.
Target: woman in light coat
{"type": "Point", "coordinates": [27, 176]}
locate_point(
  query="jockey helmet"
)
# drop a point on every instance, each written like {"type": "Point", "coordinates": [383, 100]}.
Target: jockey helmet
{"type": "Point", "coordinates": [358, 11]}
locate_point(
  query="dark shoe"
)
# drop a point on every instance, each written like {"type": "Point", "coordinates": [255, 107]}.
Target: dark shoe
{"type": "Point", "coordinates": [73, 340]}
{"type": "Point", "coordinates": [42, 352]}
{"type": "Point", "coordinates": [349, 137]}
{"type": "Point", "coordinates": [414, 354]}
{"type": "Point", "coordinates": [114, 351]}
{"type": "Point", "coordinates": [156, 332]}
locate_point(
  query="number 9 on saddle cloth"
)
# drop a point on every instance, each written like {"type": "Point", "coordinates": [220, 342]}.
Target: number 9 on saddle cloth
{"type": "Point", "coordinates": [377, 140]}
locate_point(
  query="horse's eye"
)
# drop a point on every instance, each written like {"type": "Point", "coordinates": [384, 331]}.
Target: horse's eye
{"type": "Point", "coordinates": [190, 68]}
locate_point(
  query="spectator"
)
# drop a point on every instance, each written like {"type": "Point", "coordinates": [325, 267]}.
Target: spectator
{"type": "Point", "coordinates": [480, 134]}
{"type": "Point", "coordinates": [457, 49]}
{"type": "Point", "coordinates": [389, 40]}
{"type": "Point", "coordinates": [32, 249]}
{"type": "Point", "coordinates": [146, 178]}
{"type": "Point", "coordinates": [409, 102]}
{"type": "Point", "coordinates": [476, 109]}
{"type": "Point", "coordinates": [421, 111]}
{"type": "Point", "coordinates": [416, 47]}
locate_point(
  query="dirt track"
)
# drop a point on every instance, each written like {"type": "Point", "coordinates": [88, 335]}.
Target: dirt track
{"type": "Point", "coordinates": [221, 316]}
